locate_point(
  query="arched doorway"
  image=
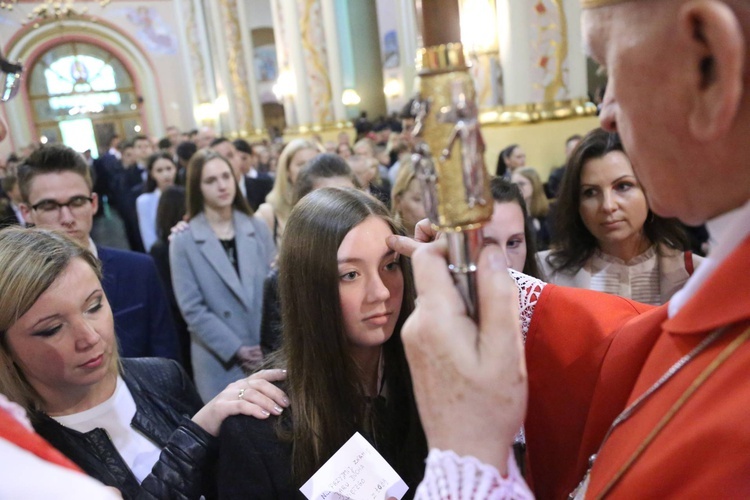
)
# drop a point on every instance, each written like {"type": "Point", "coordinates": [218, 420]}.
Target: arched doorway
{"type": "Point", "coordinates": [82, 95]}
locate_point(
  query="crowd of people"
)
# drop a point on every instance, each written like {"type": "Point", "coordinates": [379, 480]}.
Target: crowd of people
{"type": "Point", "coordinates": [266, 308]}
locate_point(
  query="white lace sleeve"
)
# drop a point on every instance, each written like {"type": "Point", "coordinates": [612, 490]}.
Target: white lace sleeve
{"type": "Point", "coordinates": [529, 290]}
{"type": "Point", "coordinates": [450, 477]}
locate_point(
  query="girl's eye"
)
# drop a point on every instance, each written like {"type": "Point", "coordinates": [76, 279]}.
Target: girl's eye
{"type": "Point", "coordinates": [350, 276]}
{"type": "Point", "coordinates": [392, 266]}
{"type": "Point", "coordinates": [49, 332]}
{"type": "Point", "coordinates": [515, 243]}
{"type": "Point", "coordinates": [624, 186]}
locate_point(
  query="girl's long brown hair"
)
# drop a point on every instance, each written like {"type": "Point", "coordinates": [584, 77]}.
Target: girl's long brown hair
{"type": "Point", "coordinates": [328, 402]}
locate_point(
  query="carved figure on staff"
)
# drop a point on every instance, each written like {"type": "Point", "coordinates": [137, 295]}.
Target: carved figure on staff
{"type": "Point", "coordinates": [464, 115]}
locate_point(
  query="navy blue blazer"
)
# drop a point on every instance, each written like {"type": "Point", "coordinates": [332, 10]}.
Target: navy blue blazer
{"type": "Point", "coordinates": [143, 321]}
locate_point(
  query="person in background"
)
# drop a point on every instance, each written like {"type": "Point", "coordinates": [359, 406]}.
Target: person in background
{"type": "Point", "coordinates": [171, 210]}
{"type": "Point", "coordinates": [555, 177]}
{"type": "Point", "coordinates": [509, 159]}
{"type": "Point", "coordinates": [607, 237]}
{"type": "Point", "coordinates": [406, 196]}
{"type": "Point", "coordinates": [257, 184]}
{"type": "Point", "coordinates": [325, 170]}
{"type": "Point", "coordinates": [279, 201]}
{"type": "Point", "coordinates": [510, 228]}
{"type": "Point", "coordinates": [366, 170]}
{"type": "Point", "coordinates": [11, 214]}
{"type": "Point", "coordinates": [345, 297]}
{"type": "Point", "coordinates": [161, 175]}
{"type": "Point", "coordinates": [185, 150]}
{"type": "Point", "coordinates": [60, 363]}
{"type": "Point", "coordinates": [344, 150]}
{"type": "Point", "coordinates": [536, 201]}
{"type": "Point", "coordinates": [218, 266]}
{"type": "Point", "coordinates": [56, 189]}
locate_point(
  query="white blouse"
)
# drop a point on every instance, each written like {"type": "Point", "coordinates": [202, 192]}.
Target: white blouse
{"type": "Point", "coordinates": [637, 279]}
{"type": "Point", "coordinates": [114, 416]}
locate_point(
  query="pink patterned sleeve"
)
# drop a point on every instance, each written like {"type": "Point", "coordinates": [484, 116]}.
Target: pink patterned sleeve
{"type": "Point", "coordinates": [450, 477]}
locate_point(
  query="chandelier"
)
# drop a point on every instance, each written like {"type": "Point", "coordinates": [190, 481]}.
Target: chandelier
{"type": "Point", "coordinates": [52, 9]}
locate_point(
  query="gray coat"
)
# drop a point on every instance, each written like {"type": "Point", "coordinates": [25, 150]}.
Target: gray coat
{"type": "Point", "coordinates": [222, 310]}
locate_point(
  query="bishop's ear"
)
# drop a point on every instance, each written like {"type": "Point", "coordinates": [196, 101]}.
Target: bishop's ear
{"type": "Point", "coordinates": [717, 56]}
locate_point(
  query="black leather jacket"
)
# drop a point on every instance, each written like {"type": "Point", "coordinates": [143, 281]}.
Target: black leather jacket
{"type": "Point", "coordinates": [165, 399]}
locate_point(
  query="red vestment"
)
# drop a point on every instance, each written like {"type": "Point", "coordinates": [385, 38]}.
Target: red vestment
{"type": "Point", "coordinates": [590, 355]}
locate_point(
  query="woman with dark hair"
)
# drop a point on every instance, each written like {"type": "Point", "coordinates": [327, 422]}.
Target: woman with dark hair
{"type": "Point", "coordinates": [161, 174]}
{"type": "Point", "coordinates": [171, 210]}
{"type": "Point", "coordinates": [510, 159]}
{"type": "Point", "coordinates": [606, 237]}
{"type": "Point", "coordinates": [510, 228]}
{"type": "Point", "coordinates": [136, 424]}
{"type": "Point", "coordinates": [345, 297]}
{"type": "Point", "coordinates": [218, 267]}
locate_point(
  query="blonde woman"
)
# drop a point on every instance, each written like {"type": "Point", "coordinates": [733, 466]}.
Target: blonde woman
{"type": "Point", "coordinates": [125, 422]}
{"type": "Point", "coordinates": [406, 197]}
{"type": "Point", "coordinates": [279, 201]}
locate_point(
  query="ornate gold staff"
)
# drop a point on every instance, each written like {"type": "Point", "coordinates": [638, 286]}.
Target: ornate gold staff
{"type": "Point", "coordinates": [450, 159]}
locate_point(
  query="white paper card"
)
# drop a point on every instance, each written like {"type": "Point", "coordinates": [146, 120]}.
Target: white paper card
{"type": "Point", "coordinates": [358, 472]}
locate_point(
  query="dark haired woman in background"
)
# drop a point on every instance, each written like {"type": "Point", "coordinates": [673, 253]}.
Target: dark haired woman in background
{"type": "Point", "coordinates": [218, 267]}
{"type": "Point", "coordinates": [510, 159]}
{"type": "Point", "coordinates": [170, 211]}
{"type": "Point", "coordinates": [510, 228]}
{"type": "Point", "coordinates": [161, 174]}
{"type": "Point", "coordinates": [345, 296]}
{"type": "Point", "coordinates": [606, 238]}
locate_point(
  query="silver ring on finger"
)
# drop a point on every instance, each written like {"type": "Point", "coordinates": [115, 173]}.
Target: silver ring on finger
{"type": "Point", "coordinates": [241, 394]}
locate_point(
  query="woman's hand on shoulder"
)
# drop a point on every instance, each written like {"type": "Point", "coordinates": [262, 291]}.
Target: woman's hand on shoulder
{"type": "Point", "coordinates": [255, 396]}
{"type": "Point", "coordinates": [178, 228]}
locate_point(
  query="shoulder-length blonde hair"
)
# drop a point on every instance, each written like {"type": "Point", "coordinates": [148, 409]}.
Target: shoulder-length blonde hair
{"type": "Point", "coordinates": [281, 197]}
{"type": "Point", "coordinates": [195, 201]}
{"type": "Point", "coordinates": [31, 260]}
{"type": "Point", "coordinates": [539, 204]}
{"type": "Point", "coordinates": [406, 174]}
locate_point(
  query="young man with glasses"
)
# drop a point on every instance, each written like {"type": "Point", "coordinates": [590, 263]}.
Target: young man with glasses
{"type": "Point", "coordinates": [57, 191]}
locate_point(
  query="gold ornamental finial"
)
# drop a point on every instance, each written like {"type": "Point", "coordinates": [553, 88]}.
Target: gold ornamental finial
{"type": "Point", "coordinates": [593, 4]}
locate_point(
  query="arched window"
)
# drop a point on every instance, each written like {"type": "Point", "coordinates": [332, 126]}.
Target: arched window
{"type": "Point", "coordinates": [82, 95]}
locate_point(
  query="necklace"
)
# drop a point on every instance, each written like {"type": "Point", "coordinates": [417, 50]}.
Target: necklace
{"type": "Point", "coordinates": [582, 487]}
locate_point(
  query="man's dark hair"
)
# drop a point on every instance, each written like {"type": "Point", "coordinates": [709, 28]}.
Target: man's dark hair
{"type": "Point", "coordinates": [186, 150]}
{"type": "Point", "coordinates": [140, 138]}
{"type": "Point", "coordinates": [51, 159]}
{"type": "Point", "coordinates": [164, 143]}
{"type": "Point", "coordinates": [217, 141]}
{"type": "Point", "coordinates": [243, 146]}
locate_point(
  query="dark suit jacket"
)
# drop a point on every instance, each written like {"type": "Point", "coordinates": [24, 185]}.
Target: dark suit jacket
{"type": "Point", "coordinates": [143, 321]}
{"type": "Point", "coordinates": [257, 189]}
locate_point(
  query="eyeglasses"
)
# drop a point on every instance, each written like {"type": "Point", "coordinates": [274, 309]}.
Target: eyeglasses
{"type": "Point", "coordinates": [51, 206]}
{"type": "Point", "coordinates": [11, 79]}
